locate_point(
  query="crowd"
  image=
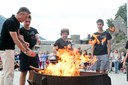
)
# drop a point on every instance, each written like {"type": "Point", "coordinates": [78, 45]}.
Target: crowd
{"type": "Point", "coordinates": [117, 61]}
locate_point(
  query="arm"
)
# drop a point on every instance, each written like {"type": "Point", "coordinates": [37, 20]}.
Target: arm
{"type": "Point", "coordinates": [126, 56]}
{"type": "Point", "coordinates": [92, 49]}
{"type": "Point", "coordinates": [17, 41]}
{"type": "Point", "coordinates": [56, 46]}
{"type": "Point", "coordinates": [109, 47]}
{"type": "Point", "coordinates": [20, 45]}
{"type": "Point", "coordinates": [55, 49]}
{"type": "Point", "coordinates": [119, 57]}
{"type": "Point", "coordinates": [92, 40]}
{"type": "Point", "coordinates": [21, 38]}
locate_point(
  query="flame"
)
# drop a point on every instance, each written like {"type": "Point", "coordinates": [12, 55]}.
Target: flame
{"type": "Point", "coordinates": [68, 63]}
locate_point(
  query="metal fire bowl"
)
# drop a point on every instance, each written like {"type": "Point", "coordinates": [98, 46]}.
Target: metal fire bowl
{"type": "Point", "coordinates": [85, 78]}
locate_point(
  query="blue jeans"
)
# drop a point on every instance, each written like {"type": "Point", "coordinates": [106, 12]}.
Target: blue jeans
{"type": "Point", "coordinates": [116, 65]}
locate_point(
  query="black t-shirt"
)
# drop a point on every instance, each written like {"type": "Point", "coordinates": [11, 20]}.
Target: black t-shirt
{"type": "Point", "coordinates": [61, 43]}
{"type": "Point", "coordinates": [101, 48]}
{"type": "Point", "coordinates": [10, 25]}
{"type": "Point", "coordinates": [29, 36]}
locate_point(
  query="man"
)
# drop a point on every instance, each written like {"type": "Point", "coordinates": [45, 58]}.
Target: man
{"type": "Point", "coordinates": [30, 35]}
{"type": "Point", "coordinates": [101, 47]}
{"type": "Point", "coordinates": [9, 37]}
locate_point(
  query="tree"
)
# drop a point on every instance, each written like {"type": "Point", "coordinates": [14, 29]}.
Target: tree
{"type": "Point", "coordinates": [122, 12]}
{"type": "Point", "coordinates": [110, 22]}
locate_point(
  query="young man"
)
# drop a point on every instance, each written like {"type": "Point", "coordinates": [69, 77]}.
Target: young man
{"type": "Point", "coordinates": [9, 37]}
{"type": "Point", "coordinates": [63, 41]}
{"type": "Point", "coordinates": [30, 35]}
{"type": "Point", "coordinates": [101, 48]}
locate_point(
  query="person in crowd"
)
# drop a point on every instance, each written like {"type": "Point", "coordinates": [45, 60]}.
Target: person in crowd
{"type": "Point", "coordinates": [80, 50]}
{"type": "Point", "coordinates": [47, 60]}
{"type": "Point", "coordinates": [31, 36]}
{"type": "Point", "coordinates": [17, 57]}
{"type": "Point", "coordinates": [8, 39]}
{"type": "Point", "coordinates": [116, 60]}
{"type": "Point", "coordinates": [89, 54]}
{"type": "Point", "coordinates": [84, 53]}
{"type": "Point", "coordinates": [123, 69]}
{"type": "Point", "coordinates": [16, 63]}
{"type": "Point", "coordinates": [44, 59]}
{"type": "Point", "coordinates": [101, 47]}
{"type": "Point", "coordinates": [40, 59]}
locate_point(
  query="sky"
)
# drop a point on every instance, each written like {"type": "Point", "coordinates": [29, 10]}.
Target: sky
{"type": "Point", "coordinates": [50, 16]}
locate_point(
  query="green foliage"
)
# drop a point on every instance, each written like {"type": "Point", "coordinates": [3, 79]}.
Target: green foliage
{"type": "Point", "coordinates": [110, 22]}
{"type": "Point", "coordinates": [122, 12]}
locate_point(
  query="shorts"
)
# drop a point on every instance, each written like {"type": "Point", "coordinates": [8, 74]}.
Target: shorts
{"type": "Point", "coordinates": [102, 63]}
{"type": "Point", "coordinates": [26, 61]}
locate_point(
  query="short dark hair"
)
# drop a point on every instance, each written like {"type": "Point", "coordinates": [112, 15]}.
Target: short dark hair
{"type": "Point", "coordinates": [24, 9]}
{"type": "Point", "coordinates": [64, 30]}
{"type": "Point", "coordinates": [100, 20]}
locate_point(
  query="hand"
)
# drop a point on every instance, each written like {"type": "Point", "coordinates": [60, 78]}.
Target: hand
{"type": "Point", "coordinates": [30, 53]}
{"type": "Point", "coordinates": [27, 44]}
{"type": "Point", "coordinates": [69, 46]}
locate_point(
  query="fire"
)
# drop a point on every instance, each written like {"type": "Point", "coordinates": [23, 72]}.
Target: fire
{"type": "Point", "coordinates": [68, 63]}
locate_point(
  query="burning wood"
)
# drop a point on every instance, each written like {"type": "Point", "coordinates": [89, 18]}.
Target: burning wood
{"type": "Point", "coordinates": [68, 63]}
